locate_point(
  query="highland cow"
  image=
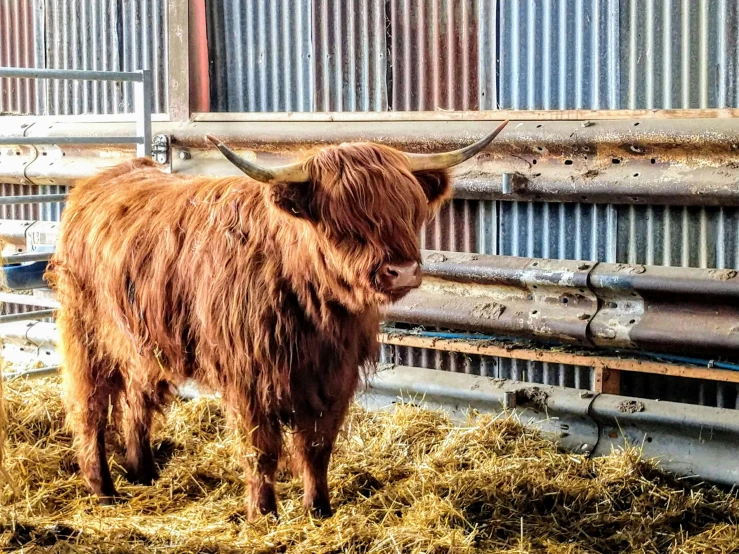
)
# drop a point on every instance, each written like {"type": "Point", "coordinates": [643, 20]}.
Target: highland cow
{"type": "Point", "coordinates": [266, 289]}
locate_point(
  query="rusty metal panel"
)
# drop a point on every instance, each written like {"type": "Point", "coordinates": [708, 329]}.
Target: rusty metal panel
{"type": "Point", "coordinates": [679, 54]}
{"type": "Point", "coordinates": [106, 35]}
{"type": "Point", "coordinates": [558, 54]}
{"type": "Point", "coordinates": [463, 226]}
{"type": "Point", "coordinates": [17, 49]}
{"type": "Point", "coordinates": [434, 55]}
{"type": "Point", "coordinates": [260, 54]}
{"type": "Point", "coordinates": [350, 55]}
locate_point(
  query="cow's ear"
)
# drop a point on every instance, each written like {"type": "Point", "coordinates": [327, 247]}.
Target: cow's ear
{"type": "Point", "coordinates": [294, 199]}
{"type": "Point", "coordinates": [437, 186]}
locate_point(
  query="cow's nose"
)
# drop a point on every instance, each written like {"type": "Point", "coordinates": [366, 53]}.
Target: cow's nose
{"type": "Point", "coordinates": [401, 276]}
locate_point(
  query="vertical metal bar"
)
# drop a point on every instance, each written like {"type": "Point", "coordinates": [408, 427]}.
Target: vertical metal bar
{"type": "Point", "coordinates": [178, 70]}
{"type": "Point", "coordinates": [142, 104]}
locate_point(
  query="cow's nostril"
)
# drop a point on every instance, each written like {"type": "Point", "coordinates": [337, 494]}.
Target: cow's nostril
{"type": "Point", "coordinates": [401, 276]}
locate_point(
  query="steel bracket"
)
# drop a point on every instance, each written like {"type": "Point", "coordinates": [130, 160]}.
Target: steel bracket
{"type": "Point", "coordinates": [160, 149]}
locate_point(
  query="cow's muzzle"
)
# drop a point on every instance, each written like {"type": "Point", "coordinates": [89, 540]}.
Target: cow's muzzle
{"type": "Point", "coordinates": [399, 277]}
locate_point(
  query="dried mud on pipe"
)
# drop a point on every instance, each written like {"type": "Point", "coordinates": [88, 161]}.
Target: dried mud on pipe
{"type": "Point", "coordinates": [406, 481]}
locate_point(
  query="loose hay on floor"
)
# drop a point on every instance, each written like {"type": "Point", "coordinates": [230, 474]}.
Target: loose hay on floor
{"type": "Point", "coordinates": [406, 481]}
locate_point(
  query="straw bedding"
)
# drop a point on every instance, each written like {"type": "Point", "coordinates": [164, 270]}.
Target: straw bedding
{"type": "Point", "coordinates": [402, 481]}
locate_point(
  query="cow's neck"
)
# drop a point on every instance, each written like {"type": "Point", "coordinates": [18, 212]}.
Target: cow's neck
{"type": "Point", "coordinates": [323, 294]}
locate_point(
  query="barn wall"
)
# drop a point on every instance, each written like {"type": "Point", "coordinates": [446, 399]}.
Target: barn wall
{"type": "Point", "coordinates": [394, 55]}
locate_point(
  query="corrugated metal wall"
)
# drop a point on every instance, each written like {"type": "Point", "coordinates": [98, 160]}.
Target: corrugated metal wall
{"type": "Point", "coordinates": [679, 54]}
{"type": "Point", "coordinates": [434, 55]}
{"type": "Point", "coordinates": [489, 366]}
{"type": "Point", "coordinates": [260, 55]}
{"type": "Point", "coordinates": [106, 35]}
{"type": "Point", "coordinates": [558, 54]}
{"type": "Point", "coordinates": [376, 55]}
{"type": "Point", "coordinates": [349, 63]}
{"type": "Point", "coordinates": [17, 49]}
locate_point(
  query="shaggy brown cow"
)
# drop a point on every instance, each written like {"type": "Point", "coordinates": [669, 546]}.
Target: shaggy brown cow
{"type": "Point", "coordinates": [268, 293]}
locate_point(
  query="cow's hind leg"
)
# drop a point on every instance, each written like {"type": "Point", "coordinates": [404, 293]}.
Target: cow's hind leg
{"type": "Point", "coordinates": [139, 406]}
{"type": "Point", "coordinates": [92, 388]}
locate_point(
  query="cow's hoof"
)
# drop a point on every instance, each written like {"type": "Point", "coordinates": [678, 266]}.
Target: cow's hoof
{"type": "Point", "coordinates": [145, 477]}
{"type": "Point", "coordinates": [254, 514]}
{"type": "Point", "coordinates": [110, 499]}
{"type": "Point", "coordinates": [265, 505]}
{"type": "Point", "coordinates": [321, 509]}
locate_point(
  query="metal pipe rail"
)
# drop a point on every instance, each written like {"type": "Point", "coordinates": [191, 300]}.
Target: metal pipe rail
{"type": "Point", "coordinates": [27, 316]}
{"type": "Point", "coordinates": [142, 85]}
{"type": "Point", "coordinates": [689, 440]}
{"type": "Point", "coordinates": [31, 198]}
{"type": "Point", "coordinates": [661, 309]}
{"type": "Point", "coordinates": [627, 161]}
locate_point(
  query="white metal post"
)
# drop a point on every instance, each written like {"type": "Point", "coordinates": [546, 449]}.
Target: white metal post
{"type": "Point", "coordinates": [142, 91]}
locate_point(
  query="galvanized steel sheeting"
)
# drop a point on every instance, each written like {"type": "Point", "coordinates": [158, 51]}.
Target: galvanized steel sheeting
{"type": "Point", "coordinates": [679, 53]}
{"type": "Point", "coordinates": [434, 61]}
{"type": "Point", "coordinates": [260, 55]}
{"type": "Point", "coordinates": [17, 49]}
{"type": "Point", "coordinates": [559, 54]}
{"type": "Point", "coordinates": [349, 57]}
{"type": "Point", "coordinates": [490, 366]}
{"type": "Point", "coordinates": [108, 35]}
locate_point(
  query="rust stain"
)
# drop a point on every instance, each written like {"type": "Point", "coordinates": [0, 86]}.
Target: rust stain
{"type": "Point", "coordinates": [722, 274]}
{"type": "Point", "coordinates": [488, 310]}
{"type": "Point", "coordinates": [533, 397]}
{"type": "Point", "coordinates": [630, 406]}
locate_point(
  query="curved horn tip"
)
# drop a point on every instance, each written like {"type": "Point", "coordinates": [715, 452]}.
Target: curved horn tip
{"type": "Point", "coordinates": [212, 139]}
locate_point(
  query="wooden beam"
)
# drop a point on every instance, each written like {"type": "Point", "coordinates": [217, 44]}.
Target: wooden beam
{"type": "Point", "coordinates": [491, 115]}
{"type": "Point", "coordinates": [178, 64]}
{"type": "Point", "coordinates": [607, 381]}
{"type": "Point", "coordinates": [604, 363]}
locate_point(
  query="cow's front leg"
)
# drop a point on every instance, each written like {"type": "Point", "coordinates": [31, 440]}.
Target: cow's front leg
{"type": "Point", "coordinates": [313, 444]}
{"type": "Point", "coordinates": [261, 463]}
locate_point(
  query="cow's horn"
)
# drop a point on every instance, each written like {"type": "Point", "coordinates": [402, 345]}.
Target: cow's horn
{"type": "Point", "coordinates": [291, 173]}
{"type": "Point", "coordinates": [443, 160]}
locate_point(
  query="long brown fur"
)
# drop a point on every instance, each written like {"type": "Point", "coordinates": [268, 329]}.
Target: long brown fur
{"type": "Point", "coordinates": [264, 293]}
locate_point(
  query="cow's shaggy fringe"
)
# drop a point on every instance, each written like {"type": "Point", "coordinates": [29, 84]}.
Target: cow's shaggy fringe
{"type": "Point", "coordinates": [403, 481]}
